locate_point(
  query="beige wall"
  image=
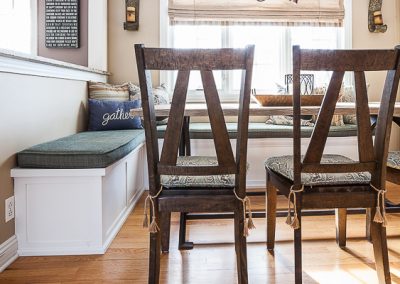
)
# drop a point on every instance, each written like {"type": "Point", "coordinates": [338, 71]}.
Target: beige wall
{"type": "Point", "coordinates": [121, 55]}
{"type": "Point", "coordinates": [34, 110]}
{"type": "Point", "coordinates": [73, 55]}
{"type": "Point", "coordinates": [362, 38]}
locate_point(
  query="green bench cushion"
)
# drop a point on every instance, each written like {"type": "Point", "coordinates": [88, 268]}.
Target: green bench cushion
{"type": "Point", "coordinates": [284, 165]}
{"type": "Point", "coordinates": [91, 149]}
{"type": "Point", "coordinates": [202, 130]}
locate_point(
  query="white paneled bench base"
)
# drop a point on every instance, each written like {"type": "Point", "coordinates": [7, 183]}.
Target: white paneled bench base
{"type": "Point", "coordinates": [76, 211]}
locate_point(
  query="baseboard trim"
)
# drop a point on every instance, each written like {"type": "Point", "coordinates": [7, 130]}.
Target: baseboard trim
{"type": "Point", "coordinates": [8, 252]}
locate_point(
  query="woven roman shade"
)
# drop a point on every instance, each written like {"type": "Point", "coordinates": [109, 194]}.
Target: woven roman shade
{"type": "Point", "coordinates": [276, 12]}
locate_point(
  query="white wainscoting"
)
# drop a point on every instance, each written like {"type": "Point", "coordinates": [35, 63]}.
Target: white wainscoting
{"type": "Point", "coordinates": [76, 211]}
{"type": "Point", "coordinates": [261, 149]}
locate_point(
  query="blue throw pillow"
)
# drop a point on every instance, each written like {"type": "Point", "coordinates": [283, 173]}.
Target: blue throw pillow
{"type": "Point", "coordinates": [112, 115]}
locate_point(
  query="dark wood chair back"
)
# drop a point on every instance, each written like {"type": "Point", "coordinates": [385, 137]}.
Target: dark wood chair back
{"type": "Point", "coordinates": [372, 155]}
{"type": "Point", "coordinates": [184, 61]}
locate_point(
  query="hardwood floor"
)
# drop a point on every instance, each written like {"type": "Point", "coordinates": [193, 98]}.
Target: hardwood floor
{"type": "Point", "coordinates": [213, 258]}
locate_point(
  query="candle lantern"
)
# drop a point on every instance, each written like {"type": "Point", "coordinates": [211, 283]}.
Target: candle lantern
{"type": "Point", "coordinates": [132, 15]}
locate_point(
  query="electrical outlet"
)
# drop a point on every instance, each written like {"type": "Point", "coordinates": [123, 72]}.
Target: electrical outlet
{"type": "Point", "coordinates": [9, 208]}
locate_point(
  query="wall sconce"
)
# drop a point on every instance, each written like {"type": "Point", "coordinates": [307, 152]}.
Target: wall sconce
{"type": "Point", "coordinates": [132, 15]}
{"type": "Point", "coordinates": [375, 20]}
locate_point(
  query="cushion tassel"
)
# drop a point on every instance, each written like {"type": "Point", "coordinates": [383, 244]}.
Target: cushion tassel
{"type": "Point", "coordinates": [145, 218]}
{"type": "Point", "coordinates": [294, 223]}
{"type": "Point", "coordinates": [145, 221]}
{"type": "Point", "coordinates": [248, 224]}
{"type": "Point", "coordinates": [380, 215]}
{"type": "Point", "coordinates": [246, 229]}
{"type": "Point", "coordinates": [289, 211]}
{"type": "Point", "coordinates": [153, 228]}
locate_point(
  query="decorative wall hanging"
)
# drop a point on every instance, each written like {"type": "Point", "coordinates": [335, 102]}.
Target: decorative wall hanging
{"type": "Point", "coordinates": [132, 15]}
{"type": "Point", "coordinates": [375, 20]}
{"type": "Point", "coordinates": [62, 23]}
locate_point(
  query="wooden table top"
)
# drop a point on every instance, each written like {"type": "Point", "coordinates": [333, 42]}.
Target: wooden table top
{"type": "Point", "coordinates": [231, 109]}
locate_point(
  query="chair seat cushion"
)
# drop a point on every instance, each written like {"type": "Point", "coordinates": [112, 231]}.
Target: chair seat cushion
{"type": "Point", "coordinates": [90, 149]}
{"type": "Point", "coordinates": [284, 165]}
{"type": "Point", "coordinates": [394, 160]}
{"type": "Point", "coordinates": [198, 181]}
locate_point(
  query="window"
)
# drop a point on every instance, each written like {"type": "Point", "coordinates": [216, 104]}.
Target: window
{"type": "Point", "coordinates": [16, 25]}
{"type": "Point", "coordinates": [272, 55]}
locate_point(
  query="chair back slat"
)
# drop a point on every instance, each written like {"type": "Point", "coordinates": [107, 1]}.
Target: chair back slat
{"type": "Point", "coordinates": [321, 129]}
{"type": "Point", "coordinates": [384, 123]}
{"type": "Point", "coordinates": [173, 132]}
{"type": "Point", "coordinates": [365, 143]}
{"type": "Point", "coordinates": [348, 60]}
{"type": "Point", "coordinates": [206, 61]}
{"type": "Point", "coordinates": [372, 156]}
{"type": "Point", "coordinates": [223, 147]}
{"type": "Point", "coordinates": [190, 59]}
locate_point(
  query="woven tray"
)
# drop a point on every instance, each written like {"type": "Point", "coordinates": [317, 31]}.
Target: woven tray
{"type": "Point", "coordinates": [287, 100]}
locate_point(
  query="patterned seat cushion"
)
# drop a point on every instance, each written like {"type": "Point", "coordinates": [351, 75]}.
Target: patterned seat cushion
{"type": "Point", "coordinates": [284, 166]}
{"type": "Point", "coordinates": [197, 181]}
{"type": "Point", "coordinates": [394, 160]}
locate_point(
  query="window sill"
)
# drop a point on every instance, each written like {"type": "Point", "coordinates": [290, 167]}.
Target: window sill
{"type": "Point", "coordinates": [24, 64]}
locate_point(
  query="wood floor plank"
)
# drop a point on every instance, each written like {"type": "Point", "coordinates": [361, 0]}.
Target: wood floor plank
{"type": "Point", "coordinates": [213, 258]}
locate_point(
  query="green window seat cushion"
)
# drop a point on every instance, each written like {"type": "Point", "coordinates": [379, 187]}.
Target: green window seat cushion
{"type": "Point", "coordinates": [91, 149]}
{"type": "Point", "coordinates": [202, 130]}
{"type": "Point", "coordinates": [175, 181]}
{"type": "Point", "coordinates": [394, 160]}
{"type": "Point", "coordinates": [284, 165]}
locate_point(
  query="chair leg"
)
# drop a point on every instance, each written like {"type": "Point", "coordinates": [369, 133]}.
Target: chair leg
{"type": "Point", "coordinates": [240, 247]}
{"type": "Point", "coordinates": [154, 257]}
{"type": "Point", "coordinates": [165, 226]}
{"type": "Point", "coordinates": [341, 218]}
{"type": "Point", "coordinates": [271, 213]}
{"type": "Point", "coordinates": [297, 246]}
{"type": "Point", "coordinates": [368, 218]}
{"type": "Point", "coordinates": [379, 241]}
{"type": "Point", "coordinates": [183, 244]}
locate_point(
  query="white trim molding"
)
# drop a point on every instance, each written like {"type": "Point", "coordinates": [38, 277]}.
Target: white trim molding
{"type": "Point", "coordinates": [97, 34]}
{"type": "Point", "coordinates": [18, 63]}
{"type": "Point", "coordinates": [8, 252]}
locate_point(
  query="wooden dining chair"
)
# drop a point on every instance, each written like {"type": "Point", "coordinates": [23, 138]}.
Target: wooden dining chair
{"type": "Point", "coordinates": [316, 180]}
{"type": "Point", "coordinates": [193, 183]}
{"type": "Point", "coordinates": [393, 162]}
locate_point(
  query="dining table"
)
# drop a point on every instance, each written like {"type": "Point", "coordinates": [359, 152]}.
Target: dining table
{"type": "Point", "coordinates": [231, 109]}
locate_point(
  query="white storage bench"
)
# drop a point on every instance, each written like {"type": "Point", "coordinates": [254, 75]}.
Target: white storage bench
{"type": "Point", "coordinates": [73, 195]}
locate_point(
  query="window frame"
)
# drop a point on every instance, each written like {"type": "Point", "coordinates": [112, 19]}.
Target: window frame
{"type": "Point", "coordinates": [166, 40]}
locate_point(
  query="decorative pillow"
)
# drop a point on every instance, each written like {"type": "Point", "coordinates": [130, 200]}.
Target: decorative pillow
{"type": "Point", "coordinates": [348, 95]}
{"type": "Point", "coordinates": [160, 96]}
{"type": "Point", "coordinates": [337, 119]}
{"type": "Point", "coordinates": [286, 120]}
{"type": "Point", "coordinates": [104, 91]}
{"type": "Point", "coordinates": [112, 115]}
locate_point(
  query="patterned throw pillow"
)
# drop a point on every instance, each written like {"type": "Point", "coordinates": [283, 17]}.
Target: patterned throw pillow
{"type": "Point", "coordinates": [348, 95]}
{"type": "Point", "coordinates": [112, 115]}
{"type": "Point", "coordinates": [104, 91]}
{"type": "Point", "coordinates": [286, 120]}
{"type": "Point", "coordinates": [337, 119]}
{"type": "Point", "coordinates": [160, 96]}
